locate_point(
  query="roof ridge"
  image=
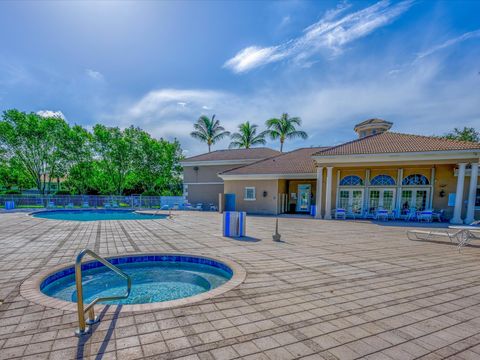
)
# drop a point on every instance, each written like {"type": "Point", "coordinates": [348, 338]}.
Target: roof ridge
{"type": "Point", "coordinates": [273, 157]}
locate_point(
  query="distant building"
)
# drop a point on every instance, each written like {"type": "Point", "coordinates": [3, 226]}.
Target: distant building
{"type": "Point", "coordinates": [201, 183]}
{"type": "Point", "coordinates": [380, 169]}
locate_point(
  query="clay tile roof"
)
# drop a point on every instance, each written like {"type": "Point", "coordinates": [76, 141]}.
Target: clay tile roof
{"type": "Point", "coordinates": [391, 142]}
{"type": "Point", "coordinates": [294, 162]}
{"type": "Point", "coordinates": [235, 154]}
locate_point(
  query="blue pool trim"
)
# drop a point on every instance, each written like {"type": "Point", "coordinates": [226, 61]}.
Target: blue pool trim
{"type": "Point", "coordinates": [136, 258]}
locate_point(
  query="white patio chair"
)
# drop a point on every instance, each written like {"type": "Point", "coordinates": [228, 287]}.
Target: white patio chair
{"type": "Point", "coordinates": [199, 206]}
{"type": "Point", "coordinates": [85, 204]}
{"type": "Point", "coordinates": [381, 214]}
{"type": "Point", "coordinates": [340, 214]}
{"type": "Point", "coordinates": [393, 215]}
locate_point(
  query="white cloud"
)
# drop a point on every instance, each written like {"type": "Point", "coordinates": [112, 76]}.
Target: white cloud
{"type": "Point", "coordinates": [329, 33]}
{"type": "Point", "coordinates": [450, 42]}
{"type": "Point", "coordinates": [182, 104]}
{"type": "Point", "coordinates": [50, 113]}
{"type": "Point", "coordinates": [414, 102]}
{"type": "Point", "coordinates": [95, 75]}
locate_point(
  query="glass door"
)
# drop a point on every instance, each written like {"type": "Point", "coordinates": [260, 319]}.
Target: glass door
{"type": "Point", "coordinates": [414, 199]}
{"type": "Point", "coordinates": [303, 201]}
{"type": "Point", "coordinates": [381, 199]}
{"type": "Point", "coordinates": [351, 200]}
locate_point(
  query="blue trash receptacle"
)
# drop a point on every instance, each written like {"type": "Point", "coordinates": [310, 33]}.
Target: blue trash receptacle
{"type": "Point", "coordinates": [9, 205]}
{"type": "Point", "coordinates": [313, 210]}
{"type": "Point", "coordinates": [234, 223]}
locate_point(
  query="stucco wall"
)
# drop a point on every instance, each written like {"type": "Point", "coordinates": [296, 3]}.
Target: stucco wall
{"type": "Point", "coordinates": [204, 173]}
{"type": "Point", "coordinates": [261, 205]}
{"type": "Point", "coordinates": [203, 193]}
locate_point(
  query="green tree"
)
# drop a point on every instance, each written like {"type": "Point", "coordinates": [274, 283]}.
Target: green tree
{"type": "Point", "coordinates": [208, 130]}
{"type": "Point", "coordinates": [114, 149]}
{"type": "Point", "coordinates": [285, 128]}
{"type": "Point", "coordinates": [157, 163]}
{"type": "Point", "coordinates": [35, 142]}
{"type": "Point", "coordinates": [247, 136]}
{"type": "Point", "coordinates": [465, 134]}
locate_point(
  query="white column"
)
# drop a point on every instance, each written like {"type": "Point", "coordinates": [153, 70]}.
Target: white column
{"type": "Point", "coordinates": [398, 203]}
{"type": "Point", "coordinates": [457, 212]}
{"type": "Point", "coordinates": [472, 193]}
{"type": "Point", "coordinates": [432, 191]}
{"type": "Point", "coordinates": [328, 194]}
{"type": "Point", "coordinates": [318, 202]}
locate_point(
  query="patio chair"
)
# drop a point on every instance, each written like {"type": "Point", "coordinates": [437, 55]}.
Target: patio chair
{"type": "Point", "coordinates": [107, 205]}
{"type": "Point", "coordinates": [50, 205]}
{"type": "Point", "coordinates": [213, 207]}
{"type": "Point", "coordinates": [425, 215]}
{"type": "Point", "coordinates": [438, 215]}
{"type": "Point", "coordinates": [381, 214]}
{"type": "Point", "coordinates": [114, 204]}
{"type": "Point", "coordinates": [412, 214]}
{"type": "Point", "coordinates": [393, 215]}
{"type": "Point", "coordinates": [85, 204]}
{"type": "Point", "coordinates": [165, 207]}
{"type": "Point", "coordinates": [69, 206]}
{"type": "Point", "coordinates": [187, 206]}
{"type": "Point", "coordinates": [199, 206]}
{"type": "Point", "coordinates": [430, 234]}
{"type": "Point", "coordinates": [340, 214]}
{"type": "Point", "coordinates": [351, 214]}
{"type": "Point", "coordinates": [175, 207]}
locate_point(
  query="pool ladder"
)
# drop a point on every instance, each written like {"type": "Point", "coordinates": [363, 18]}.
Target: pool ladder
{"type": "Point", "coordinates": [84, 325]}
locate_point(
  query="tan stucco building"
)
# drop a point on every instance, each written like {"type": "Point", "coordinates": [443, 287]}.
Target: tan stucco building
{"type": "Point", "coordinates": [378, 170]}
{"type": "Point", "coordinates": [201, 183]}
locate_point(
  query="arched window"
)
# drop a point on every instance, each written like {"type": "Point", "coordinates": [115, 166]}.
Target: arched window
{"type": "Point", "coordinates": [351, 180]}
{"type": "Point", "coordinates": [415, 179]}
{"type": "Point", "coordinates": [379, 180]}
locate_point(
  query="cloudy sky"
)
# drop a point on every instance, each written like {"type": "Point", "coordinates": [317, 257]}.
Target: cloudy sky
{"type": "Point", "coordinates": [160, 65]}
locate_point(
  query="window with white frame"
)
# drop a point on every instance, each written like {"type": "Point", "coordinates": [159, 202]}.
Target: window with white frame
{"type": "Point", "coordinates": [249, 193]}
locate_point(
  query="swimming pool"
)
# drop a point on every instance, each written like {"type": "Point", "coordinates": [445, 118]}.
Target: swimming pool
{"type": "Point", "coordinates": [95, 215]}
{"type": "Point", "coordinates": [155, 278]}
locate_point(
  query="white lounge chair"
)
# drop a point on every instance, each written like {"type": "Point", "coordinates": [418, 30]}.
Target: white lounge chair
{"type": "Point", "coordinates": [85, 205]}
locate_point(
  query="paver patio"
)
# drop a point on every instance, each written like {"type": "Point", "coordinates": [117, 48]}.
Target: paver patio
{"type": "Point", "coordinates": [333, 289]}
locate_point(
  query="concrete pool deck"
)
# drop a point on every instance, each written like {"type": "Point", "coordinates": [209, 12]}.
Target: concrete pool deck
{"type": "Point", "coordinates": [330, 290]}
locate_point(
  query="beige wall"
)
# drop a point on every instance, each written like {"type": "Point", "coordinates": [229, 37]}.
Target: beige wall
{"type": "Point", "coordinates": [204, 173]}
{"type": "Point", "coordinates": [204, 193]}
{"type": "Point", "coordinates": [262, 205]}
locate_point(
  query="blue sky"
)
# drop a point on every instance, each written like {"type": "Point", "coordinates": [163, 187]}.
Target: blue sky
{"type": "Point", "coordinates": [159, 65]}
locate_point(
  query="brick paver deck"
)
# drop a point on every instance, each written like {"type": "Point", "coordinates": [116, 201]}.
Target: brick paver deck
{"type": "Point", "coordinates": [333, 289]}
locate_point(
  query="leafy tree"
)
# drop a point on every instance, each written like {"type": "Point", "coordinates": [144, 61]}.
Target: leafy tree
{"type": "Point", "coordinates": [35, 142]}
{"type": "Point", "coordinates": [247, 136]}
{"type": "Point", "coordinates": [285, 128]}
{"type": "Point", "coordinates": [465, 134]}
{"type": "Point", "coordinates": [114, 149]}
{"type": "Point", "coordinates": [208, 130]}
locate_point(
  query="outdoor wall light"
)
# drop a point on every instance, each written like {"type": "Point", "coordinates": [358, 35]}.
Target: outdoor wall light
{"type": "Point", "coordinates": [442, 193]}
{"type": "Point", "coordinates": [195, 168]}
{"type": "Point", "coordinates": [265, 194]}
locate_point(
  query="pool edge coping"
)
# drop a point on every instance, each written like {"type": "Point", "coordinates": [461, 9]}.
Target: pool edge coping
{"type": "Point", "coordinates": [30, 288]}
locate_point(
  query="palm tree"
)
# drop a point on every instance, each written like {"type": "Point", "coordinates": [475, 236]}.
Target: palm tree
{"type": "Point", "coordinates": [247, 137]}
{"type": "Point", "coordinates": [208, 130]}
{"type": "Point", "coordinates": [284, 128]}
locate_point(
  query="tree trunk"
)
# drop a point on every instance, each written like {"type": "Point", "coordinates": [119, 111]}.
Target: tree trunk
{"type": "Point", "coordinates": [281, 145]}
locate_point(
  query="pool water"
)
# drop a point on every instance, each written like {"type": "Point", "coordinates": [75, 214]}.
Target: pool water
{"type": "Point", "coordinates": [95, 215]}
{"type": "Point", "coordinates": [152, 281]}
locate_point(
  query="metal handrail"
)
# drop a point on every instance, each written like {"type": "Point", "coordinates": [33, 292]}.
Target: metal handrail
{"type": "Point", "coordinates": [82, 324]}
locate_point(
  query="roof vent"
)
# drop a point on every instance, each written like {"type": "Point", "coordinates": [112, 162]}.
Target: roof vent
{"type": "Point", "coordinates": [372, 127]}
